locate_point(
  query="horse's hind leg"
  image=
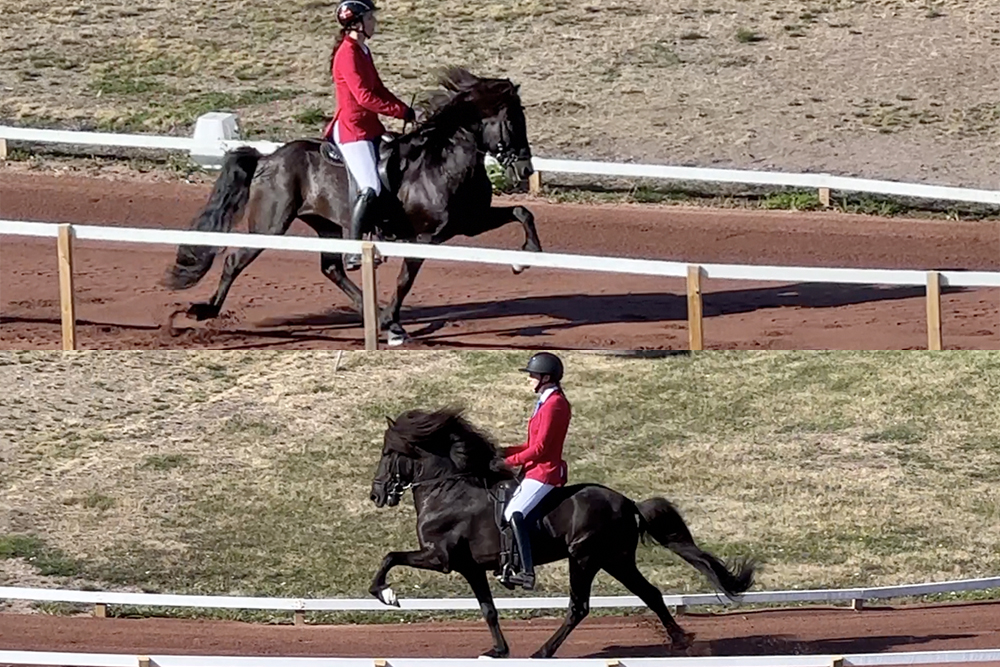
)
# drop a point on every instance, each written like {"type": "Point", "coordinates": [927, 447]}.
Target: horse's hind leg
{"type": "Point", "coordinates": [235, 263]}
{"type": "Point", "coordinates": [332, 266]}
{"type": "Point", "coordinates": [581, 578]}
{"type": "Point", "coordinates": [273, 216]}
{"type": "Point", "coordinates": [629, 575]}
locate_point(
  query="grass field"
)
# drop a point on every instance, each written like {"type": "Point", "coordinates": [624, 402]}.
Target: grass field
{"type": "Point", "coordinates": [249, 473]}
{"type": "Point", "coordinates": [882, 88]}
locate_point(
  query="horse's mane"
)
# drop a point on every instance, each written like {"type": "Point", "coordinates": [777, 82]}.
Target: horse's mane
{"type": "Point", "coordinates": [446, 432]}
{"type": "Point", "coordinates": [460, 86]}
{"type": "Point", "coordinates": [463, 100]}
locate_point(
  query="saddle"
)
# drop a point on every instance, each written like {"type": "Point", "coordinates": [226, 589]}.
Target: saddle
{"type": "Point", "coordinates": [389, 160]}
{"type": "Point", "coordinates": [390, 171]}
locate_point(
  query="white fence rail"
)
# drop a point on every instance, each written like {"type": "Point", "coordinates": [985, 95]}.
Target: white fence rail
{"type": "Point", "coordinates": [934, 280]}
{"type": "Point", "coordinates": [470, 604]}
{"type": "Point", "coordinates": [217, 132]}
{"type": "Point", "coordinates": [820, 660]}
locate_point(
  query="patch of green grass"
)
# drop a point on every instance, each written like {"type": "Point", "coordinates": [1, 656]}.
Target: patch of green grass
{"type": "Point", "coordinates": [749, 36]}
{"type": "Point", "coordinates": [312, 116]}
{"type": "Point", "coordinates": [502, 184]}
{"type": "Point", "coordinates": [793, 201]}
{"type": "Point", "coordinates": [652, 54]}
{"type": "Point", "coordinates": [165, 461]}
{"type": "Point", "coordinates": [907, 434]}
{"type": "Point", "coordinates": [49, 561]}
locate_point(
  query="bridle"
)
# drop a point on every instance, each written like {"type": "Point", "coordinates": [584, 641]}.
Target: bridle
{"type": "Point", "coordinates": [394, 487]}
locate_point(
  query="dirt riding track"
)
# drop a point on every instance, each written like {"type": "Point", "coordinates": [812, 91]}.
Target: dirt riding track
{"type": "Point", "coordinates": [282, 300]}
{"type": "Point", "coordinates": [804, 631]}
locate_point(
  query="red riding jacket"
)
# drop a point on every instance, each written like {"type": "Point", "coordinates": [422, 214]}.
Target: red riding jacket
{"type": "Point", "coordinates": [541, 455]}
{"type": "Point", "coordinates": [361, 95]}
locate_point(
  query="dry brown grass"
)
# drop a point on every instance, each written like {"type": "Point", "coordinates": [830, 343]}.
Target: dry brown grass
{"type": "Point", "coordinates": [249, 473]}
{"type": "Point", "coordinates": [882, 88]}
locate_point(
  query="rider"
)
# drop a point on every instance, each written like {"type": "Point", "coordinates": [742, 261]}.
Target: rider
{"type": "Point", "coordinates": [361, 97]}
{"type": "Point", "coordinates": [541, 458]}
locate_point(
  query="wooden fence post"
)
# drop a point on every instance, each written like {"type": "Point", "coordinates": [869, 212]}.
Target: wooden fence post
{"type": "Point", "coordinates": [535, 183]}
{"type": "Point", "coordinates": [934, 341]}
{"type": "Point", "coordinates": [100, 610]}
{"type": "Point", "coordinates": [144, 661]}
{"type": "Point", "coordinates": [67, 299]}
{"type": "Point", "coordinates": [300, 617]}
{"type": "Point", "coordinates": [369, 295]}
{"type": "Point", "coordinates": [3, 149]}
{"type": "Point", "coordinates": [696, 338]}
{"type": "Point", "coordinates": [824, 197]}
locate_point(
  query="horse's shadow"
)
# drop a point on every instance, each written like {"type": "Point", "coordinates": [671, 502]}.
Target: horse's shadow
{"type": "Point", "coordinates": [776, 645]}
{"type": "Point", "coordinates": [576, 310]}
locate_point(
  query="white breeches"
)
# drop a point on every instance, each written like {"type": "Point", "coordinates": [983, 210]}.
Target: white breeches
{"type": "Point", "coordinates": [527, 496]}
{"type": "Point", "coordinates": [360, 159]}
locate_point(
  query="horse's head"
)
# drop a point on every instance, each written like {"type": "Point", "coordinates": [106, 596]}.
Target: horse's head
{"type": "Point", "coordinates": [395, 468]}
{"type": "Point", "coordinates": [419, 447]}
{"type": "Point", "coordinates": [503, 128]}
{"type": "Point", "coordinates": [505, 133]}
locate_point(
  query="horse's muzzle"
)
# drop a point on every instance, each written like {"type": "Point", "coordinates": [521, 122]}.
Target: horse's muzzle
{"type": "Point", "coordinates": [386, 493]}
{"type": "Point", "coordinates": [521, 169]}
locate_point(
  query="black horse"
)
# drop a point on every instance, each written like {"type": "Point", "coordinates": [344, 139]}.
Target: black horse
{"type": "Point", "coordinates": [455, 473]}
{"type": "Point", "coordinates": [435, 183]}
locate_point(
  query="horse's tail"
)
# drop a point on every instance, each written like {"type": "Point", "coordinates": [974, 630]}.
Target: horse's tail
{"type": "Point", "coordinates": [661, 520]}
{"type": "Point", "coordinates": [228, 199]}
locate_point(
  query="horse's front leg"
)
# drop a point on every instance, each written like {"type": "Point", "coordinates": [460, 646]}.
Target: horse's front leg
{"type": "Point", "coordinates": [498, 216]}
{"type": "Point", "coordinates": [389, 320]}
{"type": "Point", "coordinates": [481, 588]}
{"type": "Point", "coordinates": [429, 558]}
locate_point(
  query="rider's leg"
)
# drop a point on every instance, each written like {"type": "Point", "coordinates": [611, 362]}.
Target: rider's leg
{"type": "Point", "coordinates": [527, 496]}
{"type": "Point", "coordinates": [359, 156]}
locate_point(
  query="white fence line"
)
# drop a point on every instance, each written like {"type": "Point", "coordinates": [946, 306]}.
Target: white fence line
{"type": "Point", "coordinates": [214, 134]}
{"type": "Point", "coordinates": [470, 604]}
{"type": "Point", "coordinates": [645, 267]}
{"type": "Point", "coordinates": [817, 660]}
{"type": "Point", "coordinates": [65, 233]}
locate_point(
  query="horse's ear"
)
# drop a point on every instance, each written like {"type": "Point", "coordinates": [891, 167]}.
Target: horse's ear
{"type": "Point", "coordinates": [391, 422]}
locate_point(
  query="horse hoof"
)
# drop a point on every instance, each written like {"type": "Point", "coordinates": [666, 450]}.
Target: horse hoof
{"type": "Point", "coordinates": [388, 597]}
{"type": "Point", "coordinates": [518, 269]}
{"type": "Point", "coordinates": [396, 336]}
{"type": "Point", "coordinates": [493, 653]}
{"type": "Point", "coordinates": [203, 311]}
{"type": "Point", "coordinates": [682, 642]}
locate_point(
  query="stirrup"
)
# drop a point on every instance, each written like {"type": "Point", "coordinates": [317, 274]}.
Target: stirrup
{"type": "Point", "coordinates": [522, 579]}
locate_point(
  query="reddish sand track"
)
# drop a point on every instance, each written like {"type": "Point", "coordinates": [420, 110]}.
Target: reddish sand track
{"type": "Point", "coordinates": [283, 301]}
{"type": "Point", "coordinates": [772, 632]}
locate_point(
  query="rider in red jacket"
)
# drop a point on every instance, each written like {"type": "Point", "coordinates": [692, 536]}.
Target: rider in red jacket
{"type": "Point", "coordinates": [361, 97]}
{"type": "Point", "coordinates": [541, 458]}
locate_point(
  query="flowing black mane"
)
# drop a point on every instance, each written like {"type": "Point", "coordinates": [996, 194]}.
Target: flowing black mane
{"type": "Point", "coordinates": [464, 100]}
{"type": "Point", "coordinates": [446, 432]}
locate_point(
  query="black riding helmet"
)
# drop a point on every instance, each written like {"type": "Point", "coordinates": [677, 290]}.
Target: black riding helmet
{"type": "Point", "coordinates": [545, 363]}
{"type": "Point", "coordinates": [350, 12]}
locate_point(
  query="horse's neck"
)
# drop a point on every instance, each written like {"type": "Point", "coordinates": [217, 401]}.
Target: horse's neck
{"type": "Point", "coordinates": [468, 488]}
{"type": "Point", "coordinates": [466, 140]}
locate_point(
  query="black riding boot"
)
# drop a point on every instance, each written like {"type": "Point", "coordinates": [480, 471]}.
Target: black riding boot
{"type": "Point", "coordinates": [362, 218]}
{"type": "Point", "coordinates": [526, 576]}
